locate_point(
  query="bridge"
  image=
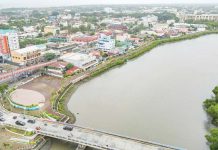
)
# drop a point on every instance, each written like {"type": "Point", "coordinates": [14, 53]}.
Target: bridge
{"type": "Point", "coordinates": [14, 73]}
{"type": "Point", "coordinates": [80, 135]}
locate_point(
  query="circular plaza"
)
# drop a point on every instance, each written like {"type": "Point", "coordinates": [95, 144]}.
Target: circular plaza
{"type": "Point", "coordinates": [27, 99]}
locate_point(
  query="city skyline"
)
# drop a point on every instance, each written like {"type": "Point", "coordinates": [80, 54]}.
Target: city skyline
{"type": "Point", "coordinates": [58, 3]}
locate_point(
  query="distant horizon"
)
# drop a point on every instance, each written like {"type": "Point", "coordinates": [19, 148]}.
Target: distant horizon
{"type": "Point", "coordinates": [72, 3]}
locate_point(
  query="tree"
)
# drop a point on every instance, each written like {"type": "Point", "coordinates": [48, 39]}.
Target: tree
{"type": "Point", "coordinates": [213, 110]}
{"type": "Point", "coordinates": [69, 66]}
{"type": "Point", "coordinates": [215, 92]}
{"type": "Point", "coordinates": [55, 13]}
{"type": "Point", "coordinates": [212, 138]}
{"type": "Point", "coordinates": [82, 28]}
{"type": "Point", "coordinates": [3, 89]}
{"type": "Point", "coordinates": [49, 56]}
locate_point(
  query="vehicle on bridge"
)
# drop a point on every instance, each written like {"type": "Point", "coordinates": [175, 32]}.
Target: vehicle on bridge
{"type": "Point", "coordinates": [20, 123]}
{"type": "Point", "coordinates": [68, 128]}
{"type": "Point", "coordinates": [2, 119]}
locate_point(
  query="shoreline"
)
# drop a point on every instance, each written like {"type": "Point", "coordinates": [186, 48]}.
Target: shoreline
{"type": "Point", "coordinates": [121, 60]}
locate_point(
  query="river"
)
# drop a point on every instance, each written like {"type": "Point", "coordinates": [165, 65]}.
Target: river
{"type": "Point", "coordinates": [156, 97]}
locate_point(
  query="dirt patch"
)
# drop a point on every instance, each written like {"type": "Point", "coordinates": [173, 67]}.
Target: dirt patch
{"type": "Point", "coordinates": [46, 85]}
{"type": "Point", "coordinates": [6, 144]}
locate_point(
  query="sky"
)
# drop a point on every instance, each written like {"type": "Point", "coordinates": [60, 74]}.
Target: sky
{"type": "Point", "coordinates": [53, 3]}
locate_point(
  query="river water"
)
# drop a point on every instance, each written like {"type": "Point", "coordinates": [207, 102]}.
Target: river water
{"type": "Point", "coordinates": [156, 97]}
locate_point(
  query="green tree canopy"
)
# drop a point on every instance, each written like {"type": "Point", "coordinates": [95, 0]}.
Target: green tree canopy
{"type": "Point", "coordinates": [49, 56]}
{"type": "Point", "coordinates": [69, 66]}
{"type": "Point", "coordinates": [212, 138]}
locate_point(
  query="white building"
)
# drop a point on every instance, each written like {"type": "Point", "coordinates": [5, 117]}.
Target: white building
{"type": "Point", "coordinates": [122, 37]}
{"type": "Point", "coordinates": [29, 29]}
{"type": "Point", "coordinates": [211, 17]}
{"type": "Point", "coordinates": [108, 10]}
{"type": "Point", "coordinates": [66, 17]}
{"type": "Point", "coordinates": [77, 16]}
{"type": "Point", "coordinates": [171, 22]}
{"type": "Point", "coordinates": [82, 61]}
{"type": "Point", "coordinates": [150, 19]}
{"type": "Point", "coordinates": [105, 42]}
{"type": "Point", "coordinates": [12, 39]}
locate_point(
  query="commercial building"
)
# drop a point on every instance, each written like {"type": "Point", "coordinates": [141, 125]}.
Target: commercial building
{"type": "Point", "coordinates": [118, 27]}
{"type": "Point", "coordinates": [210, 17]}
{"type": "Point", "coordinates": [57, 69]}
{"type": "Point", "coordinates": [28, 55]}
{"type": "Point", "coordinates": [61, 46]}
{"type": "Point", "coordinates": [8, 41]}
{"type": "Point", "coordinates": [51, 29]}
{"type": "Point", "coordinates": [82, 61]}
{"type": "Point", "coordinates": [58, 39]}
{"type": "Point", "coordinates": [85, 39]}
{"type": "Point", "coordinates": [105, 42]}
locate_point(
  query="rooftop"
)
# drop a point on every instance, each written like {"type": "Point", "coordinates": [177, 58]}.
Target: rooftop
{"type": "Point", "coordinates": [2, 31]}
{"type": "Point", "coordinates": [31, 49]}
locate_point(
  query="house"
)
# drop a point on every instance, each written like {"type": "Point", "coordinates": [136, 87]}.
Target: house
{"type": "Point", "coordinates": [73, 70]}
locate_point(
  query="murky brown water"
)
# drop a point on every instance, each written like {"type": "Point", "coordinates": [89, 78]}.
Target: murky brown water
{"type": "Point", "coordinates": [156, 97]}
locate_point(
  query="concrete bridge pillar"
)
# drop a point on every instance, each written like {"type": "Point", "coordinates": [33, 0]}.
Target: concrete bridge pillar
{"type": "Point", "coordinates": [81, 147]}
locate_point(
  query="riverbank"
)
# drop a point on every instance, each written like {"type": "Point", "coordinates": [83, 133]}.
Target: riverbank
{"type": "Point", "coordinates": [118, 61]}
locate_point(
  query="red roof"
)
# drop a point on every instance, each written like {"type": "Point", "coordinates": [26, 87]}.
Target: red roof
{"type": "Point", "coordinates": [107, 33]}
{"type": "Point", "coordinates": [118, 27]}
{"type": "Point", "coordinates": [85, 39]}
{"type": "Point", "coordinates": [72, 70]}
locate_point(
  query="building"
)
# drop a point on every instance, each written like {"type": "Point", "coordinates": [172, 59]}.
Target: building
{"type": "Point", "coordinates": [51, 29]}
{"type": "Point", "coordinates": [29, 29]}
{"type": "Point", "coordinates": [77, 16]}
{"type": "Point", "coordinates": [57, 69]}
{"type": "Point", "coordinates": [85, 39]}
{"type": "Point", "coordinates": [108, 10]}
{"type": "Point", "coordinates": [66, 17]}
{"type": "Point", "coordinates": [8, 41]}
{"type": "Point", "coordinates": [117, 27]}
{"type": "Point", "coordinates": [61, 46]}
{"type": "Point", "coordinates": [105, 42]}
{"type": "Point", "coordinates": [27, 56]}
{"type": "Point", "coordinates": [58, 39]}
{"type": "Point", "coordinates": [122, 37]}
{"type": "Point", "coordinates": [149, 20]}
{"type": "Point", "coordinates": [210, 17]}
{"type": "Point", "coordinates": [82, 61]}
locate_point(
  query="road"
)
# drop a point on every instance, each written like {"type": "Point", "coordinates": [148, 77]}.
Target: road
{"type": "Point", "coordinates": [80, 135]}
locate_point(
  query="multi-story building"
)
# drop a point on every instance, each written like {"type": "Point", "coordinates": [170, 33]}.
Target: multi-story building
{"type": "Point", "coordinates": [8, 41]}
{"type": "Point", "coordinates": [27, 56]}
{"type": "Point", "coordinates": [211, 17]}
{"type": "Point", "coordinates": [61, 47]}
{"type": "Point", "coordinates": [105, 42]}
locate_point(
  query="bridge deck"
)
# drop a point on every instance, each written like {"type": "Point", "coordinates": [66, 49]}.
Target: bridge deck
{"type": "Point", "coordinates": [84, 136]}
